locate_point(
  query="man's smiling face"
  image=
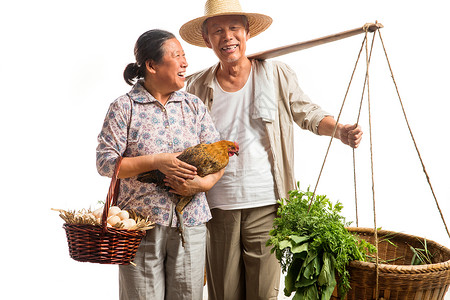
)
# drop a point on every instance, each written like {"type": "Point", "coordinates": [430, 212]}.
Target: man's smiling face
{"type": "Point", "coordinates": [227, 36]}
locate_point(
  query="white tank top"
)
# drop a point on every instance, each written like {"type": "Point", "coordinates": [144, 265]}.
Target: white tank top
{"type": "Point", "coordinates": [248, 180]}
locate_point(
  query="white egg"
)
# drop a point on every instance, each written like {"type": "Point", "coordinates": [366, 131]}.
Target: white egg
{"type": "Point", "coordinates": [123, 215]}
{"type": "Point", "coordinates": [113, 220]}
{"type": "Point", "coordinates": [131, 222]}
{"type": "Point", "coordinates": [113, 210]}
{"type": "Point", "coordinates": [98, 212]}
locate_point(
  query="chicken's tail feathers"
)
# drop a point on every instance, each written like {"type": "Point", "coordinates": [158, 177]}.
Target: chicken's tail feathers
{"type": "Point", "coordinates": [183, 202]}
{"type": "Point", "coordinates": [180, 226]}
{"type": "Point", "coordinates": [179, 212]}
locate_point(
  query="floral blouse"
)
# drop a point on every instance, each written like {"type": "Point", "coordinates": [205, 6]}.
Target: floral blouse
{"type": "Point", "coordinates": [154, 128]}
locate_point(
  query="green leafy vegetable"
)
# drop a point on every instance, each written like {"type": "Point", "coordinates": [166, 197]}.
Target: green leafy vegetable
{"type": "Point", "coordinates": [313, 245]}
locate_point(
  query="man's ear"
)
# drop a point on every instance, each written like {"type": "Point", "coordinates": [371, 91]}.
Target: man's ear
{"type": "Point", "coordinates": [150, 66]}
{"type": "Point", "coordinates": [247, 30]}
{"type": "Point", "coordinates": [206, 39]}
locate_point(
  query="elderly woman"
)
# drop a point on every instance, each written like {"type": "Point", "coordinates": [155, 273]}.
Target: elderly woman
{"type": "Point", "coordinates": [148, 127]}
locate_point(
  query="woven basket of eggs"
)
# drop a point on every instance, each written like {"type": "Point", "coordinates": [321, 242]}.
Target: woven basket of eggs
{"type": "Point", "coordinates": [108, 235]}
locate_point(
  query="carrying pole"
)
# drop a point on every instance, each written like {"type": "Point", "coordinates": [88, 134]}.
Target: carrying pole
{"type": "Point", "coordinates": [370, 27]}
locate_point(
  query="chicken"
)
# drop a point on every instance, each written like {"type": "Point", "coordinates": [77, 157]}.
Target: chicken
{"type": "Point", "coordinates": [207, 158]}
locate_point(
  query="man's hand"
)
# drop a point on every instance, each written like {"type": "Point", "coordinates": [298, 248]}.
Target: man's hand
{"type": "Point", "coordinates": [350, 134]}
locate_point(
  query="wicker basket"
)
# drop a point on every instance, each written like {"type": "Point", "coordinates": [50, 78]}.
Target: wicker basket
{"type": "Point", "coordinates": [102, 244]}
{"type": "Point", "coordinates": [399, 280]}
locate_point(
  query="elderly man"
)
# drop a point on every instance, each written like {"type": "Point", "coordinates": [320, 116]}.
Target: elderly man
{"type": "Point", "coordinates": [254, 103]}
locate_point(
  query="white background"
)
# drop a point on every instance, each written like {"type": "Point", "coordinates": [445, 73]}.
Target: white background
{"type": "Point", "coordinates": [61, 64]}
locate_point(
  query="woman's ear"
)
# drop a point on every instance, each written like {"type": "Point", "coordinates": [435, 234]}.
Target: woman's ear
{"type": "Point", "coordinates": [150, 66]}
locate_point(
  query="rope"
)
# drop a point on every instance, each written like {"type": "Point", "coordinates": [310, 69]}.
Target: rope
{"type": "Point", "coordinates": [357, 122]}
{"type": "Point", "coordinates": [335, 126]}
{"type": "Point", "coordinates": [354, 184]}
{"type": "Point", "coordinates": [366, 83]}
{"type": "Point", "coordinates": [414, 141]}
{"type": "Point", "coordinates": [371, 168]}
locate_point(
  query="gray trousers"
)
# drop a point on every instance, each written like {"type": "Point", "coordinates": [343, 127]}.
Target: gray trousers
{"type": "Point", "coordinates": [239, 265]}
{"type": "Point", "coordinates": [164, 269]}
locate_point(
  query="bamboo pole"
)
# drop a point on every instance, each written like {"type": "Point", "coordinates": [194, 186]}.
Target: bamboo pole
{"type": "Point", "coordinates": [371, 27]}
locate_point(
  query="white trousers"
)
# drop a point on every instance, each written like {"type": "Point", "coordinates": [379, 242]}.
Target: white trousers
{"type": "Point", "coordinates": [164, 269]}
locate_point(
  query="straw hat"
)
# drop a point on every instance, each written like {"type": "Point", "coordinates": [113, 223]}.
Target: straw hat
{"type": "Point", "coordinates": [191, 32]}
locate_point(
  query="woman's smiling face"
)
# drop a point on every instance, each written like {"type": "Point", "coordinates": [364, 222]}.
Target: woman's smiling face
{"type": "Point", "coordinates": [171, 71]}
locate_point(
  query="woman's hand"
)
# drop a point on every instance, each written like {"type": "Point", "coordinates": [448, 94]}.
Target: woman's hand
{"type": "Point", "coordinates": [193, 186]}
{"type": "Point", "coordinates": [173, 168]}
{"type": "Point", "coordinates": [184, 188]}
{"type": "Point", "coordinates": [167, 163]}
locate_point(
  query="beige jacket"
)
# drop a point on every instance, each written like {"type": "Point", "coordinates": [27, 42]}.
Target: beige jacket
{"type": "Point", "coordinates": [278, 105]}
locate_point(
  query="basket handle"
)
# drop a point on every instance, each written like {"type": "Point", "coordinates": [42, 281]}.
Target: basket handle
{"type": "Point", "coordinates": [113, 193]}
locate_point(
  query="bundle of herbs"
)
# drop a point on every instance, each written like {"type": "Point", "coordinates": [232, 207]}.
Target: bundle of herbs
{"type": "Point", "coordinates": [312, 245]}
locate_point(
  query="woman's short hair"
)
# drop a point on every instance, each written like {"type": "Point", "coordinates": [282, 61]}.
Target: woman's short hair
{"type": "Point", "coordinates": [149, 46]}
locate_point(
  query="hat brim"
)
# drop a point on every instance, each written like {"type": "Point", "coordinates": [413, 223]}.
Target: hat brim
{"type": "Point", "coordinates": [191, 31]}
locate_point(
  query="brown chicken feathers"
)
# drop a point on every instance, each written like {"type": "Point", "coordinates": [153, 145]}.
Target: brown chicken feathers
{"type": "Point", "coordinates": [207, 158]}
